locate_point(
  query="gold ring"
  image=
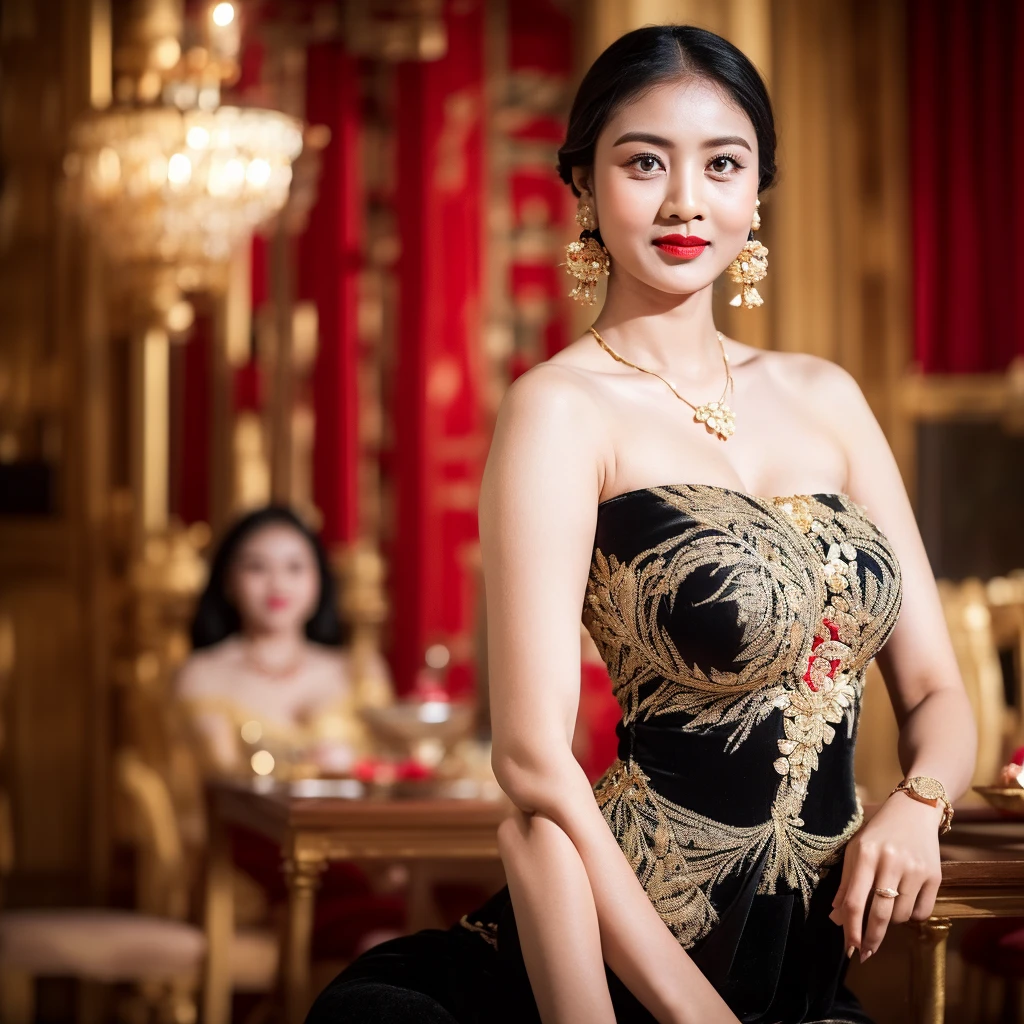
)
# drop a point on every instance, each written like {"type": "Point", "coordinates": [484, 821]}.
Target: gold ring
{"type": "Point", "coordinates": [889, 894]}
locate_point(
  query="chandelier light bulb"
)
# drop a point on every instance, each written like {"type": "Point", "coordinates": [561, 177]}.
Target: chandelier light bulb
{"type": "Point", "coordinates": [234, 175]}
{"type": "Point", "coordinates": [258, 173]}
{"type": "Point", "coordinates": [197, 137]}
{"type": "Point", "coordinates": [179, 170]}
{"type": "Point", "coordinates": [223, 15]}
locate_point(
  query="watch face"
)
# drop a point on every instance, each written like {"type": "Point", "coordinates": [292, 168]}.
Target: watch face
{"type": "Point", "coordinates": [930, 789]}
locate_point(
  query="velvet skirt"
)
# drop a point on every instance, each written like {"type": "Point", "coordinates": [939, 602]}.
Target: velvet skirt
{"type": "Point", "coordinates": [784, 969]}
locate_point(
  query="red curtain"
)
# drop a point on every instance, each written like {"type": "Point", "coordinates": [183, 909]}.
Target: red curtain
{"type": "Point", "coordinates": [330, 261]}
{"type": "Point", "coordinates": [966, 153]}
{"type": "Point", "coordinates": [437, 446]}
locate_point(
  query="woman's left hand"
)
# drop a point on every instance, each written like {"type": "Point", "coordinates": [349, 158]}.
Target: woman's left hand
{"type": "Point", "coordinates": [897, 849]}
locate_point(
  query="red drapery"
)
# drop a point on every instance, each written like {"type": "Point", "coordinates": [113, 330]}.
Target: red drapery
{"type": "Point", "coordinates": [966, 151]}
{"type": "Point", "coordinates": [438, 444]}
{"type": "Point", "coordinates": [330, 260]}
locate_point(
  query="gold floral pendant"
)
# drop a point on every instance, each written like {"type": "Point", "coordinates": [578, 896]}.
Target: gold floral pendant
{"type": "Point", "coordinates": [718, 418]}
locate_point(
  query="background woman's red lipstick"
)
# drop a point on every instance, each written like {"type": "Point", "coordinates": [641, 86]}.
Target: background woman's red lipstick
{"type": "Point", "coordinates": [684, 247]}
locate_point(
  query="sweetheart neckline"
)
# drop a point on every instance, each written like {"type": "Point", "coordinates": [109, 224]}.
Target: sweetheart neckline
{"type": "Point", "coordinates": [728, 490]}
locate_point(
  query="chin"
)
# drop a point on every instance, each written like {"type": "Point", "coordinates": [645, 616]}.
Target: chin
{"type": "Point", "coordinates": [679, 284]}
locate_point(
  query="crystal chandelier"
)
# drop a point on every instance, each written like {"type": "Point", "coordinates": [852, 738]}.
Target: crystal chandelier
{"type": "Point", "coordinates": [183, 187]}
{"type": "Point", "coordinates": [180, 183]}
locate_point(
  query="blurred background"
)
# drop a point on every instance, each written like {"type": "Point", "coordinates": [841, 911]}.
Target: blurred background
{"type": "Point", "coordinates": [290, 254]}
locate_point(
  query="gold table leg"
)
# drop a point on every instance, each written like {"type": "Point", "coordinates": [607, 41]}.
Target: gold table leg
{"type": "Point", "coordinates": [220, 927]}
{"type": "Point", "coordinates": [303, 875]}
{"type": "Point", "coordinates": [928, 977]}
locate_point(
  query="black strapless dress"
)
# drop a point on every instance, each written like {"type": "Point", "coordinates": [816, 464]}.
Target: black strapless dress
{"type": "Point", "coordinates": [737, 630]}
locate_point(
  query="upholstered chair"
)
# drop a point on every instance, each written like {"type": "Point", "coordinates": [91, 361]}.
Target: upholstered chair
{"type": "Point", "coordinates": [154, 948]}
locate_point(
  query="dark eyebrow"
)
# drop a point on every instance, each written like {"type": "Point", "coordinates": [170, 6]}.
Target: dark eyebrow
{"type": "Point", "coordinates": [729, 140]}
{"type": "Point", "coordinates": [651, 140]}
{"type": "Point", "coordinates": [657, 140]}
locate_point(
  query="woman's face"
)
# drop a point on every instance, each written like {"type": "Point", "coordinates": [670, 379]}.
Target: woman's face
{"type": "Point", "coordinates": [274, 581]}
{"type": "Point", "coordinates": [680, 160]}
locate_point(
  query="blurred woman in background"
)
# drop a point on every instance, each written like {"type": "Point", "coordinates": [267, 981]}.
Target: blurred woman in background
{"type": "Point", "coordinates": [268, 669]}
{"type": "Point", "coordinates": [269, 688]}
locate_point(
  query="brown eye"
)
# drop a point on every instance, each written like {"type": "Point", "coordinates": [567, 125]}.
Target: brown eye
{"type": "Point", "coordinates": [723, 164]}
{"type": "Point", "coordinates": [646, 163]}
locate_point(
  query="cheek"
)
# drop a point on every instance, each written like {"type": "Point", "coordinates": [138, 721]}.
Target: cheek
{"type": "Point", "coordinates": [628, 206]}
{"type": "Point", "coordinates": [307, 590]}
{"type": "Point", "coordinates": [249, 590]}
{"type": "Point", "coordinates": [736, 220]}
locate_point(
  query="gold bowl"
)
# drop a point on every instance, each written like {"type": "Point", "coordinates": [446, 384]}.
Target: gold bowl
{"type": "Point", "coordinates": [424, 730]}
{"type": "Point", "coordinates": [1008, 799]}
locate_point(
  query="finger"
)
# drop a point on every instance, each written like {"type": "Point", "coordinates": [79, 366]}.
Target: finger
{"type": "Point", "coordinates": [880, 910]}
{"type": "Point", "coordinates": [925, 902]}
{"type": "Point", "coordinates": [909, 887]}
{"type": "Point", "coordinates": [850, 855]}
{"type": "Point", "coordinates": [844, 881]}
{"type": "Point", "coordinates": [851, 909]}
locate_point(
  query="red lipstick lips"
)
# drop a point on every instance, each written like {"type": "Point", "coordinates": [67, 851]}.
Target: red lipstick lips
{"type": "Point", "coordinates": [684, 247]}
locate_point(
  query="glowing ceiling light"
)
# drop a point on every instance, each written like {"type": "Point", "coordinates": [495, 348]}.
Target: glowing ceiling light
{"type": "Point", "coordinates": [223, 15]}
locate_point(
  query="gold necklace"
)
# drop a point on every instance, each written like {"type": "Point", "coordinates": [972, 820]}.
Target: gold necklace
{"type": "Point", "coordinates": [716, 416]}
{"type": "Point", "coordinates": [256, 663]}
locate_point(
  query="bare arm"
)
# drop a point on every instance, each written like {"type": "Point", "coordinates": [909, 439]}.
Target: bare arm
{"type": "Point", "coordinates": [537, 521]}
{"type": "Point", "coordinates": [212, 729]}
{"type": "Point", "coordinates": [937, 731]}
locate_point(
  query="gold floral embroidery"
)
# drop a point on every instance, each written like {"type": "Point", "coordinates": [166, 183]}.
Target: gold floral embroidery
{"type": "Point", "coordinates": [811, 621]}
{"type": "Point", "coordinates": [680, 856]}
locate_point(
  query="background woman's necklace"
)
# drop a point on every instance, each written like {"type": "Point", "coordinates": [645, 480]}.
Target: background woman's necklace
{"type": "Point", "coordinates": [258, 665]}
{"type": "Point", "coordinates": [716, 416]}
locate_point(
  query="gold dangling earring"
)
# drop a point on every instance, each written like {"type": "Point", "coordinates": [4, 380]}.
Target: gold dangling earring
{"type": "Point", "coordinates": [586, 259]}
{"type": "Point", "coordinates": [750, 266]}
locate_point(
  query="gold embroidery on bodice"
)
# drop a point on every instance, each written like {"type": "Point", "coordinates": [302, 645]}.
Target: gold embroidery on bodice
{"type": "Point", "coordinates": [812, 592]}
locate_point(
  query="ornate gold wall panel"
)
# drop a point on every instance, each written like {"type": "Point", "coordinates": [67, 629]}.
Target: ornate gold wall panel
{"type": "Point", "coordinates": [839, 219]}
{"type": "Point", "coordinates": [54, 409]}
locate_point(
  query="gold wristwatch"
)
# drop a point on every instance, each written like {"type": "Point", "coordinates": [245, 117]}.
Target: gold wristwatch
{"type": "Point", "coordinates": [928, 790]}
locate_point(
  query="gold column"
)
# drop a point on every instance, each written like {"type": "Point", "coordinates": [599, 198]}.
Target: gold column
{"type": "Point", "coordinates": [150, 367]}
{"type": "Point", "coordinates": [229, 352]}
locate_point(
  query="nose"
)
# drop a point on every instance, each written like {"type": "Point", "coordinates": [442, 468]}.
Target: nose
{"type": "Point", "coordinates": [684, 197]}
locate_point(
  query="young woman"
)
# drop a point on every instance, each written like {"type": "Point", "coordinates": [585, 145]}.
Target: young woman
{"type": "Point", "coordinates": [724, 871]}
{"type": "Point", "coordinates": [268, 676]}
{"type": "Point", "coordinates": [268, 671]}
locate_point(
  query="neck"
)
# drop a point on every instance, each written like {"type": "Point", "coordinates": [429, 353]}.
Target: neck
{"type": "Point", "coordinates": [273, 648]}
{"type": "Point", "coordinates": [673, 335]}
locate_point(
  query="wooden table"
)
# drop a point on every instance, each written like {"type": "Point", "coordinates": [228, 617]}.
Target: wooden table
{"type": "Point", "coordinates": [982, 876]}
{"type": "Point", "coordinates": [312, 830]}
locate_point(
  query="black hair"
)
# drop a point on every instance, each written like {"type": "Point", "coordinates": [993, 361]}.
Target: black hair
{"type": "Point", "coordinates": [649, 56]}
{"type": "Point", "coordinates": [217, 618]}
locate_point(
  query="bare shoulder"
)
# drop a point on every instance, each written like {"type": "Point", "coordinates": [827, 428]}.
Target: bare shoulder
{"type": "Point", "coordinates": [201, 672]}
{"type": "Point", "coordinates": [552, 388]}
{"type": "Point", "coordinates": [550, 413]}
{"type": "Point", "coordinates": [550, 450]}
{"type": "Point", "coordinates": [798, 371]}
{"type": "Point", "coordinates": [824, 387]}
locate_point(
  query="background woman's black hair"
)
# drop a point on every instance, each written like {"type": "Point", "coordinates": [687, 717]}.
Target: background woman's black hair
{"type": "Point", "coordinates": [649, 56]}
{"type": "Point", "coordinates": [217, 618]}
